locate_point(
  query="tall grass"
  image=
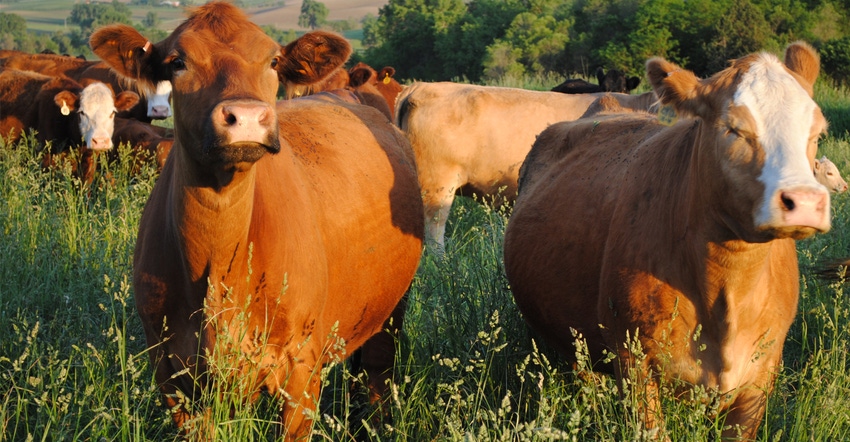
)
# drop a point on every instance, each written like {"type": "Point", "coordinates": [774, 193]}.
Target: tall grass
{"type": "Point", "coordinates": [74, 364]}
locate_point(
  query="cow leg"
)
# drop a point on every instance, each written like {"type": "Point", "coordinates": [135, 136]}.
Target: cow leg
{"type": "Point", "coordinates": [438, 205]}
{"type": "Point", "coordinates": [302, 389]}
{"type": "Point", "coordinates": [377, 355]}
{"type": "Point", "coordinates": [745, 413]}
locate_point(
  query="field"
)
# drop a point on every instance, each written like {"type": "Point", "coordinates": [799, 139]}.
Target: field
{"type": "Point", "coordinates": [49, 15]}
{"type": "Point", "coordinates": [74, 365]}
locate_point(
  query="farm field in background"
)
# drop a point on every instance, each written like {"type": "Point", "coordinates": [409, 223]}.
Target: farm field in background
{"type": "Point", "coordinates": [49, 15]}
{"type": "Point", "coordinates": [74, 365]}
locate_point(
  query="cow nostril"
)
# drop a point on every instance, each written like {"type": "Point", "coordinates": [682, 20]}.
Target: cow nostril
{"type": "Point", "coordinates": [787, 203]}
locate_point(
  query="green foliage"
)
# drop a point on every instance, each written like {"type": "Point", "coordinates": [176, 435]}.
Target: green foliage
{"type": "Point", "coordinates": [313, 14]}
{"type": "Point", "coordinates": [12, 24]}
{"type": "Point", "coordinates": [91, 15]}
{"type": "Point", "coordinates": [835, 56]}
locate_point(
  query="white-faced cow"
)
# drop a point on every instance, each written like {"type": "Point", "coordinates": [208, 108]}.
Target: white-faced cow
{"type": "Point", "coordinates": [274, 230]}
{"type": "Point", "coordinates": [611, 81]}
{"type": "Point", "coordinates": [827, 173]}
{"type": "Point", "coordinates": [680, 236]}
{"type": "Point", "coordinates": [472, 139]}
{"type": "Point", "coordinates": [64, 114]}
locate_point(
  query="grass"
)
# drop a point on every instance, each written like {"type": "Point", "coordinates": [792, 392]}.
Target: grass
{"type": "Point", "coordinates": [74, 365]}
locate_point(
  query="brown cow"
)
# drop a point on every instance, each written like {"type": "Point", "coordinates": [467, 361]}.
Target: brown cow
{"type": "Point", "coordinates": [473, 139]}
{"type": "Point", "coordinates": [680, 236]}
{"type": "Point", "coordinates": [362, 75]}
{"type": "Point", "coordinates": [147, 142]}
{"type": "Point", "coordinates": [299, 224]}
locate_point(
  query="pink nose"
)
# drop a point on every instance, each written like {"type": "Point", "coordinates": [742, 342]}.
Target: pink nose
{"type": "Point", "coordinates": [244, 121]}
{"type": "Point", "coordinates": [100, 143]}
{"type": "Point", "coordinates": [158, 112]}
{"type": "Point", "coordinates": [805, 208]}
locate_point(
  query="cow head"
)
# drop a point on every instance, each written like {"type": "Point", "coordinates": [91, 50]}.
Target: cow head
{"type": "Point", "coordinates": [159, 102]}
{"type": "Point", "coordinates": [224, 71]}
{"type": "Point", "coordinates": [827, 173]}
{"type": "Point", "coordinates": [95, 106]}
{"type": "Point", "coordinates": [758, 141]}
{"type": "Point", "coordinates": [616, 81]}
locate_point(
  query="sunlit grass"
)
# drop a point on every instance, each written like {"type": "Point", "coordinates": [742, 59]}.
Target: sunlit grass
{"type": "Point", "coordinates": [74, 364]}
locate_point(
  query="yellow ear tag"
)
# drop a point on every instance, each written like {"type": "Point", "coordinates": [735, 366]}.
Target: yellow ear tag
{"type": "Point", "coordinates": [387, 79]}
{"type": "Point", "coordinates": [667, 115]}
{"type": "Point", "coordinates": [65, 110]}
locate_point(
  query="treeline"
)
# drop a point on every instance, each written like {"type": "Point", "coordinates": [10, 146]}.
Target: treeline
{"type": "Point", "coordinates": [489, 39]}
{"type": "Point", "coordinates": [86, 16]}
{"type": "Point", "coordinates": [478, 40]}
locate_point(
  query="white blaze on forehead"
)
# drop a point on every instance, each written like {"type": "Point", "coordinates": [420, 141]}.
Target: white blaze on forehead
{"type": "Point", "coordinates": [97, 109]}
{"type": "Point", "coordinates": [158, 102]}
{"type": "Point", "coordinates": [784, 114]}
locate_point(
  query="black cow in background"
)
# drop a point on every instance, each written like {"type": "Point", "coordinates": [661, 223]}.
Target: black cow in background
{"type": "Point", "coordinates": [611, 81]}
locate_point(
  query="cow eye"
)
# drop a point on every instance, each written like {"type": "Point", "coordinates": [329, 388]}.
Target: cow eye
{"type": "Point", "coordinates": [275, 62]}
{"type": "Point", "coordinates": [177, 64]}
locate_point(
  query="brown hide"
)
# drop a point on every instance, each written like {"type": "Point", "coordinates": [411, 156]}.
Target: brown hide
{"type": "Point", "coordinates": [625, 226]}
{"type": "Point", "coordinates": [47, 64]}
{"type": "Point", "coordinates": [364, 77]}
{"type": "Point", "coordinates": [147, 142]}
{"type": "Point", "coordinates": [473, 139]}
{"type": "Point", "coordinates": [305, 217]}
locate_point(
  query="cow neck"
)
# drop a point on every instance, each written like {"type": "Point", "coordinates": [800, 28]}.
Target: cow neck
{"type": "Point", "coordinates": [219, 215]}
{"type": "Point", "coordinates": [729, 268]}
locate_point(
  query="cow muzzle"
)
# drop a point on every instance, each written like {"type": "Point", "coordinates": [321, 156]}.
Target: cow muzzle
{"type": "Point", "coordinates": [240, 122]}
{"type": "Point", "coordinates": [803, 207]}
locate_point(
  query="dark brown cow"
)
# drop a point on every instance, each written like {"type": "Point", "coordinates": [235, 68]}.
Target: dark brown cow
{"type": "Point", "coordinates": [299, 224]}
{"type": "Point", "coordinates": [680, 236]}
{"type": "Point", "coordinates": [147, 142]}
{"type": "Point", "coordinates": [611, 81]}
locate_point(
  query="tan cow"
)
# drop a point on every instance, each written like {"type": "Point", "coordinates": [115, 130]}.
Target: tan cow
{"type": "Point", "coordinates": [274, 230]}
{"type": "Point", "coordinates": [827, 173]}
{"type": "Point", "coordinates": [679, 236]}
{"type": "Point", "coordinates": [472, 139]}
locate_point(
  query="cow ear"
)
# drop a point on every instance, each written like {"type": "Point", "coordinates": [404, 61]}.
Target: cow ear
{"type": "Point", "coordinates": [632, 83]}
{"type": "Point", "coordinates": [126, 100]}
{"type": "Point", "coordinates": [386, 72]}
{"type": "Point", "coordinates": [600, 75]}
{"type": "Point", "coordinates": [312, 57]}
{"type": "Point", "coordinates": [676, 86]}
{"type": "Point", "coordinates": [359, 76]}
{"type": "Point", "coordinates": [66, 101]}
{"type": "Point", "coordinates": [803, 60]}
{"type": "Point", "coordinates": [126, 51]}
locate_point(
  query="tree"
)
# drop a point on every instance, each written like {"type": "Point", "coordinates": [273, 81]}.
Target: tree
{"type": "Point", "coordinates": [313, 14]}
{"type": "Point", "coordinates": [12, 24]}
{"type": "Point", "coordinates": [151, 20]}
{"type": "Point", "coordinates": [91, 15]}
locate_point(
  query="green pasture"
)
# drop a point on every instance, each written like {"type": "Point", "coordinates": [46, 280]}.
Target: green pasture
{"type": "Point", "coordinates": [74, 364]}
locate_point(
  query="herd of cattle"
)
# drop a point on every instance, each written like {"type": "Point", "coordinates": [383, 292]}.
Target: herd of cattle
{"type": "Point", "coordinates": [305, 218]}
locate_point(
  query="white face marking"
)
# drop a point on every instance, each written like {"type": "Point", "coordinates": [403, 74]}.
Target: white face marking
{"type": "Point", "coordinates": [784, 114]}
{"type": "Point", "coordinates": [159, 106]}
{"type": "Point", "coordinates": [97, 109]}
